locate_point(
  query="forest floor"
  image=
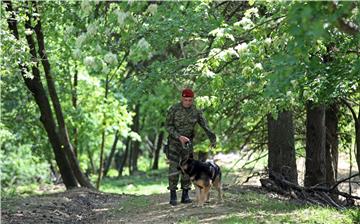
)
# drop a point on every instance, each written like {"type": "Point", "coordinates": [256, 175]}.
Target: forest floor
{"type": "Point", "coordinates": [242, 204]}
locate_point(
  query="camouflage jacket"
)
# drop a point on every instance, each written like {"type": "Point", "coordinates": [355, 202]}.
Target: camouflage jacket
{"type": "Point", "coordinates": [182, 121]}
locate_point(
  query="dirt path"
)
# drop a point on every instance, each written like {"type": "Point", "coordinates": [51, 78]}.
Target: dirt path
{"type": "Point", "coordinates": [85, 206]}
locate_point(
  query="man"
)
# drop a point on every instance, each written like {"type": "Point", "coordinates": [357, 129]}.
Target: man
{"type": "Point", "coordinates": [180, 123]}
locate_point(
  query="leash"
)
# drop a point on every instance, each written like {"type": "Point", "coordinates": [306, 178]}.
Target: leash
{"type": "Point", "coordinates": [188, 147]}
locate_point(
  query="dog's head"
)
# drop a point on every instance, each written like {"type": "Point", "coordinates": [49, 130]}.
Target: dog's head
{"type": "Point", "coordinates": [185, 165]}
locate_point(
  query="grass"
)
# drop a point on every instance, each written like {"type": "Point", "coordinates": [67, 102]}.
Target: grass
{"type": "Point", "coordinates": [189, 220]}
{"type": "Point", "coordinates": [146, 183]}
{"type": "Point", "coordinates": [134, 203]}
{"type": "Point", "coordinates": [256, 208]}
{"type": "Point", "coordinates": [151, 182]}
{"type": "Point", "coordinates": [245, 206]}
{"type": "Point", "coordinates": [302, 215]}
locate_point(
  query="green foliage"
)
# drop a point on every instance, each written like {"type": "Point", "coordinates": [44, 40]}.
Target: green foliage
{"type": "Point", "coordinates": [151, 183]}
{"type": "Point", "coordinates": [136, 202]}
{"type": "Point", "coordinates": [20, 167]}
{"type": "Point", "coordinates": [147, 183]}
{"type": "Point", "coordinates": [243, 59]}
{"type": "Point", "coordinates": [354, 215]}
{"type": "Point", "coordinates": [260, 208]}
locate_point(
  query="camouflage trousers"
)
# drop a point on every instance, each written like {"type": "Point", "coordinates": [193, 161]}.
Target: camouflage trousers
{"type": "Point", "coordinates": [175, 154]}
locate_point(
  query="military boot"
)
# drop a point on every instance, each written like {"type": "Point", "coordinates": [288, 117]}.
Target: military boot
{"type": "Point", "coordinates": [173, 198]}
{"type": "Point", "coordinates": [185, 196]}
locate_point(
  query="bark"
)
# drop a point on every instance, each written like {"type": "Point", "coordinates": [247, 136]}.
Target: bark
{"type": "Point", "coordinates": [101, 160]}
{"type": "Point", "coordinates": [332, 143]}
{"type": "Point", "coordinates": [281, 145]}
{"type": "Point", "coordinates": [357, 139]}
{"type": "Point", "coordinates": [36, 88]}
{"type": "Point", "coordinates": [74, 103]}
{"type": "Point", "coordinates": [157, 150]}
{"type": "Point", "coordinates": [63, 133]}
{"type": "Point", "coordinates": [92, 164]}
{"type": "Point", "coordinates": [112, 152]}
{"type": "Point", "coordinates": [124, 157]}
{"type": "Point", "coordinates": [315, 172]}
{"type": "Point", "coordinates": [135, 149]}
{"type": "Point", "coordinates": [103, 136]}
{"type": "Point", "coordinates": [357, 131]}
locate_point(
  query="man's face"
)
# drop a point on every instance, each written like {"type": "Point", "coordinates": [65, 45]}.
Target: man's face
{"type": "Point", "coordinates": [187, 101]}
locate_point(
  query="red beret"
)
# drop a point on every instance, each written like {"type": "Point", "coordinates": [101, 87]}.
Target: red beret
{"type": "Point", "coordinates": [187, 93]}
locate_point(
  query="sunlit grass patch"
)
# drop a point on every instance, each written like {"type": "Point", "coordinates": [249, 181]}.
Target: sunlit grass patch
{"type": "Point", "coordinates": [255, 207]}
{"type": "Point", "coordinates": [134, 203]}
{"type": "Point", "coordinates": [189, 220]}
{"type": "Point", "coordinates": [313, 214]}
{"type": "Point", "coordinates": [31, 189]}
{"type": "Point", "coordinates": [152, 182]}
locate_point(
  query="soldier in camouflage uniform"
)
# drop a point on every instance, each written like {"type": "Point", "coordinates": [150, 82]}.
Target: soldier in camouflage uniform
{"type": "Point", "coordinates": [180, 123]}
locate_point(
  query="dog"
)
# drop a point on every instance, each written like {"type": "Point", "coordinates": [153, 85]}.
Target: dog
{"type": "Point", "coordinates": [203, 175]}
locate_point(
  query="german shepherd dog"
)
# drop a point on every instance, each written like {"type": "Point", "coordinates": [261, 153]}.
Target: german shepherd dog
{"type": "Point", "coordinates": [203, 175]}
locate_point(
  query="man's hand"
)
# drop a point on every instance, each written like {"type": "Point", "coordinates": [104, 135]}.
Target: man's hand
{"type": "Point", "coordinates": [183, 139]}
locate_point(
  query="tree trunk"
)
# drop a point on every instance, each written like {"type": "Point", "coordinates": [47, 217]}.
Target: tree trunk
{"type": "Point", "coordinates": [315, 145]}
{"type": "Point", "coordinates": [135, 149]}
{"type": "Point", "coordinates": [357, 140]}
{"type": "Point", "coordinates": [63, 134]}
{"type": "Point", "coordinates": [159, 144]}
{"type": "Point", "coordinates": [74, 103]}
{"type": "Point", "coordinates": [332, 143]}
{"type": "Point", "coordinates": [357, 131]}
{"type": "Point", "coordinates": [112, 152]}
{"type": "Point", "coordinates": [281, 144]}
{"type": "Point", "coordinates": [125, 156]}
{"type": "Point", "coordinates": [92, 164]}
{"type": "Point", "coordinates": [101, 160]}
{"type": "Point", "coordinates": [36, 88]}
{"type": "Point", "coordinates": [103, 136]}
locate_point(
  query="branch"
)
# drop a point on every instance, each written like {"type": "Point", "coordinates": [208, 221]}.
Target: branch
{"type": "Point", "coordinates": [345, 26]}
{"type": "Point", "coordinates": [347, 104]}
{"type": "Point", "coordinates": [343, 180]}
{"type": "Point", "coordinates": [348, 27]}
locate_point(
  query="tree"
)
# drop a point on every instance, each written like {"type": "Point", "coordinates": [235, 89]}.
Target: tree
{"type": "Point", "coordinates": [315, 172]}
{"type": "Point", "coordinates": [332, 143]}
{"type": "Point", "coordinates": [36, 88]}
{"type": "Point", "coordinates": [281, 144]}
{"type": "Point", "coordinates": [60, 140]}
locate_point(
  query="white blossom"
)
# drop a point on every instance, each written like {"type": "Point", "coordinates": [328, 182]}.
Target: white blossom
{"type": "Point", "coordinates": [98, 49]}
{"type": "Point", "coordinates": [121, 16]}
{"type": "Point", "coordinates": [245, 22]}
{"type": "Point", "coordinates": [105, 69]}
{"type": "Point", "coordinates": [80, 40]}
{"type": "Point", "coordinates": [76, 53]}
{"type": "Point", "coordinates": [28, 32]}
{"type": "Point", "coordinates": [91, 29]}
{"type": "Point", "coordinates": [110, 58]}
{"type": "Point", "coordinates": [259, 66]}
{"type": "Point", "coordinates": [86, 7]}
{"type": "Point", "coordinates": [69, 30]}
{"type": "Point", "coordinates": [152, 9]}
{"type": "Point", "coordinates": [267, 41]}
{"type": "Point", "coordinates": [241, 48]}
{"type": "Point", "coordinates": [143, 44]}
{"type": "Point", "coordinates": [89, 61]}
{"type": "Point", "coordinates": [252, 11]}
